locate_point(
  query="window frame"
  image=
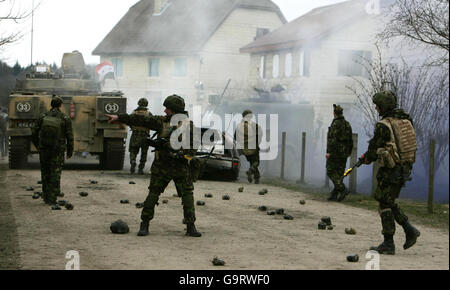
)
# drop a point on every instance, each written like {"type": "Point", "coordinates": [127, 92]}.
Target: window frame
{"type": "Point", "coordinates": [183, 73]}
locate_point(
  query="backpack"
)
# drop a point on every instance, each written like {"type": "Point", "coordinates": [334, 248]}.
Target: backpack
{"type": "Point", "coordinates": [402, 147]}
{"type": "Point", "coordinates": [51, 132]}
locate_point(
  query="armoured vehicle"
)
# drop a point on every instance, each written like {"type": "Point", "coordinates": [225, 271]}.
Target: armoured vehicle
{"type": "Point", "coordinates": [82, 101]}
{"type": "Point", "coordinates": [293, 119]}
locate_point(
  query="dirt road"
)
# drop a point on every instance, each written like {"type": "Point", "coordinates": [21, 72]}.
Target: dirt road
{"type": "Point", "coordinates": [233, 230]}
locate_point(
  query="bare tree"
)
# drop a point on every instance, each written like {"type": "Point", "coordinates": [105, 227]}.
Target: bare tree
{"type": "Point", "coordinates": [421, 21]}
{"type": "Point", "coordinates": [422, 91]}
{"type": "Point", "coordinates": [10, 12]}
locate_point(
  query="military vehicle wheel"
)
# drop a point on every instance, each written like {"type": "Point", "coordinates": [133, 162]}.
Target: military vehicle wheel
{"type": "Point", "coordinates": [18, 152]}
{"type": "Point", "coordinates": [113, 154]}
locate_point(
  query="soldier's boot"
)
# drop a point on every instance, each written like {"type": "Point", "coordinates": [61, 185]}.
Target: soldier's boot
{"type": "Point", "coordinates": [343, 194]}
{"type": "Point", "coordinates": [387, 247]}
{"type": "Point", "coordinates": [133, 168]}
{"type": "Point", "coordinates": [334, 195]}
{"type": "Point", "coordinates": [143, 230]}
{"type": "Point", "coordinates": [191, 231]}
{"type": "Point", "coordinates": [411, 235]}
{"type": "Point", "coordinates": [256, 180]}
{"type": "Point", "coordinates": [249, 176]}
{"type": "Point", "coordinates": [141, 169]}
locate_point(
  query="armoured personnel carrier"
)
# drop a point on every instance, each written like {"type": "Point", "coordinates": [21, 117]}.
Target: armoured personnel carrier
{"type": "Point", "coordinates": [83, 102]}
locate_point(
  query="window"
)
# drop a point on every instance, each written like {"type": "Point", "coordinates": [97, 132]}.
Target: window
{"type": "Point", "coordinates": [260, 32]}
{"type": "Point", "coordinates": [180, 69]}
{"type": "Point", "coordinates": [262, 67]}
{"type": "Point", "coordinates": [288, 65]}
{"type": "Point", "coordinates": [276, 66]}
{"type": "Point", "coordinates": [153, 67]}
{"type": "Point", "coordinates": [118, 66]}
{"type": "Point", "coordinates": [304, 63]}
{"type": "Point", "coordinates": [351, 62]}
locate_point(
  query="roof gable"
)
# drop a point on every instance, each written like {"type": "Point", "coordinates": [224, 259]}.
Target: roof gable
{"type": "Point", "coordinates": [310, 27]}
{"type": "Point", "coordinates": [183, 28]}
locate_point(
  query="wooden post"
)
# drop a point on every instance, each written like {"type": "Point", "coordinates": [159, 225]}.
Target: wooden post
{"type": "Point", "coordinates": [283, 150]}
{"type": "Point", "coordinates": [431, 177]}
{"type": "Point", "coordinates": [374, 177]}
{"type": "Point", "coordinates": [302, 178]}
{"type": "Point", "coordinates": [353, 160]}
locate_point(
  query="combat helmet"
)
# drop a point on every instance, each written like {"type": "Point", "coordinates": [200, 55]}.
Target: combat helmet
{"type": "Point", "coordinates": [338, 110]}
{"type": "Point", "coordinates": [175, 103]}
{"type": "Point", "coordinates": [143, 103]}
{"type": "Point", "coordinates": [385, 100]}
{"type": "Point", "coordinates": [246, 112]}
{"type": "Point", "coordinates": [56, 101]}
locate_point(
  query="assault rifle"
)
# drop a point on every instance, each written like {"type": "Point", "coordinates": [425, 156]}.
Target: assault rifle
{"type": "Point", "coordinates": [162, 144]}
{"type": "Point", "coordinates": [358, 164]}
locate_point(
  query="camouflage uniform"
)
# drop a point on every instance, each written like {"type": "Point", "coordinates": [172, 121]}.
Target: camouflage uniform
{"type": "Point", "coordinates": [165, 168]}
{"type": "Point", "coordinates": [138, 142]}
{"type": "Point", "coordinates": [52, 159]}
{"type": "Point", "coordinates": [390, 183]}
{"type": "Point", "coordinates": [339, 146]}
{"type": "Point", "coordinates": [251, 154]}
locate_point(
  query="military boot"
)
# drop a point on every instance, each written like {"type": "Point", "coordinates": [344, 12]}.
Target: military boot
{"type": "Point", "coordinates": [256, 180]}
{"type": "Point", "coordinates": [411, 235]}
{"type": "Point", "coordinates": [343, 194]}
{"type": "Point", "coordinates": [141, 170]}
{"type": "Point", "coordinates": [387, 247]}
{"type": "Point", "coordinates": [333, 196]}
{"type": "Point", "coordinates": [192, 231]}
{"type": "Point", "coordinates": [133, 168]}
{"type": "Point", "coordinates": [249, 176]}
{"type": "Point", "coordinates": [143, 230]}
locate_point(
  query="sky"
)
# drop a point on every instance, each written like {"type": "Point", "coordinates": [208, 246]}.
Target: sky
{"type": "Point", "coordinates": [66, 25]}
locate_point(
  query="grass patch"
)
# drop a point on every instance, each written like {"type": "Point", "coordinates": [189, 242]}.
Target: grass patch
{"type": "Point", "coordinates": [417, 211]}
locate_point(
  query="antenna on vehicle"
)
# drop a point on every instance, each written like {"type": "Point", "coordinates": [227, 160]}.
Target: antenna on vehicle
{"type": "Point", "coordinates": [32, 31]}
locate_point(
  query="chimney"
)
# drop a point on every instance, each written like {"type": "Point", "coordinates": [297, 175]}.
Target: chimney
{"type": "Point", "coordinates": [159, 6]}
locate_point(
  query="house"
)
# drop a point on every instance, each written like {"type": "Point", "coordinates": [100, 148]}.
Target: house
{"type": "Point", "coordinates": [317, 56]}
{"type": "Point", "coordinates": [191, 48]}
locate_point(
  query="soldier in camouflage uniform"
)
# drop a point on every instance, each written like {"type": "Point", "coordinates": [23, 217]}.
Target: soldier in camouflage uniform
{"type": "Point", "coordinates": [169, 164]}
{"type": "Point", "coordinates": [248, 135]}
{"type": "Point", "coordinates": [339, 148]}
{"type": "Point", "coordinates": [139, 138]}
{"type": "Point", "coordinates": [51, 152]}
{"type": "Point", "coordinates": [391, 179]}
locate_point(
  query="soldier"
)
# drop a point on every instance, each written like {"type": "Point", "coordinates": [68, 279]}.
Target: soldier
{"type": "Point", "coordinates": [339, 148]}
{"type": "Point", "coordinates": [169, 164]}
{"type": "Point", "coordinates": [394, 148]}
{"type": "Point", "coordinates": [248, 135]}
{"type": "Point", "coordinates": [139, 138]}
{"type": "Point", "coordinates": [52, 136]}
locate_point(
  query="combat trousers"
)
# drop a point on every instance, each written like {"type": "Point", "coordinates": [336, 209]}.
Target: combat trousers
{"type": "Point", "coordinates": [335, 171]}
{"type": "Point", "coordinates": [134, 151]}
{"type": "Point", "coordinates": [254, 164]}
{"type": "Point", "coordinates": [52, 163]}
{"type": "Point", "coordinates": [161, 175]}
{"type": "Point", "coordinates": [390, 183]}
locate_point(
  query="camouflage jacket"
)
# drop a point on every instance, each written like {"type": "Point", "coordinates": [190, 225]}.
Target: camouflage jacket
{"type": "Point", "coordinates": [383, 135]}
{"type": "Point", "coordinates": [339, 140]}
{"type": "Point", "coordinates": [67, 140]}
{"type": "Point", "coordinates": [161, 124]}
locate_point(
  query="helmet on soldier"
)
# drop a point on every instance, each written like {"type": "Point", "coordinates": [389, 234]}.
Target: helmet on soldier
{"type": "Point", "coordinates": [338, 110]}
{"type": "Point", "coordinates": [175, 103]}
{"type": "Point", "coordinates": [56, 101]}
{"type": "Point", "coordinates": [143, 102]}
{"type": "Point", "coordinates": [385, 100]}
{"type": "Point", "coordinates": [246, 112]}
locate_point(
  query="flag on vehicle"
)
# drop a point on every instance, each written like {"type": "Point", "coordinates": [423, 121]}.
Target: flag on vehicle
{"type": "Point", "coordinates": [105, 70]}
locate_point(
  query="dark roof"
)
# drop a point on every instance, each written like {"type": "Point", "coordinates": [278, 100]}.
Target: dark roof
{"type": "Point", "coordinates": [183, 28]}
{"type": "Point", "coordinates": [310, 27]}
